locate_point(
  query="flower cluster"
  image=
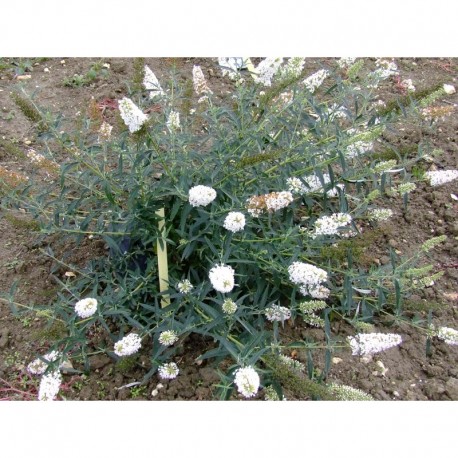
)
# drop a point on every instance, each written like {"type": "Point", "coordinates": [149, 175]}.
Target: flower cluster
{"type": "Point", "coordinates": [384, 166]}
{"type": "Point", "coordinates": [271, 202]}
{"type": "Point", "coordinates": [358, 148]}
{"type": "Point", "coordinates": [132, 116]}
{"type": "Point", "coordinates": [86, 307]}
{"type": "Point", "coordinates": [313, 82]}
{"type": "Point", "coordinates": [337, 111]}
{"type": "Point", "coordinates": [292, 69]}
{"type": "Point", "coordinates": [317, 292]}
{"type": "Point", "coordinates": [433, 242]}
{"type": "Point", "coordinates": [185, 286]}
{"type": "Point", "coordinates": [229, 307]}
{"type": "Point", "coordinates": [266, 70]}
{"type": "Point", "coordinates": [408, 85]}
{"type": "Point", "coordinates": [448, 335]}
{"type": "Point", "coordinates": [439, 177]}
{"type": "Point", "coordinates": [199, 82]}
{"type": "Point", "coordinates": [247, 381]}
{"type": "Point", "coordinates": [308, 307]}
{"type": "Point", "coordinates": [173, 121]}
{"type": "Point", "coordinates": [439, 113]}
{"type": "Point", "coordinates": [277, 313]}
{"type": "Point", "coordinates": [11, 179]}
{"type": "Point", "coordinates": [329, 225]}
{"type": "Point", "coordinates": [200, 196]}
{"type": "Point", "coordinates": [105, 130]}
{"type": "Point", "coordinates": [347, 393]}
{"type": "Point", "coordinates": [385, 69]}
{"type": "Point", "coordinates": [313, 320]}
{"type": "Point", "coordinates": [167, 338]}
{"type": "Point", "coordinates": [38, 366]}
{"type": "Point", "coordinates": [406, 188]}
{"type": "Point", "coordinates": [270, 394]}
{"type": "Point", "coordinates": [344, 62]}
{"type": "Point", "coordinates": [128, 345]}
{"type": "Point", "coordinates": [311, 184]}
{"type": "Point", "coordinates": [304, 274]}
{"type": "Point", "coordinates": [293, 364]}
{"type": "Point", "coordinates": [151, 84]}
{"type": "Point", "coordinates": [230, 66]}
{"type": "Point", "coordinates": [222, 278]}
{"type": "Point", "coordinates": [296, 186]}
{"type": "Point", "coordinates": [49, 386]}
{"type": "Point", "coordinates": [380, 214]}
{"type": "Point", "coordinates": [234, 221]}
{"type": "Point", "coordinates": [50, 167]}
{"type": "Point", "coordinates": [368, 344]}
{"type": "Point", "coordinates": [168, 371]}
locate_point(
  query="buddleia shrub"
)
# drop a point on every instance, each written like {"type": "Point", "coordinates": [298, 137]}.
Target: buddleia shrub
{"type": "Point", "coordinates": [214, 218]}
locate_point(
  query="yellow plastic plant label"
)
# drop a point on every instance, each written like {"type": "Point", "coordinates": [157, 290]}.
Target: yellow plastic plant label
{"type": "Point", "coordinates": [162, 261]}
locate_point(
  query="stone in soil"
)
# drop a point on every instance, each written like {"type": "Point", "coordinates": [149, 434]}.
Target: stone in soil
{"type": "Point", "coordinates": [4, 337]}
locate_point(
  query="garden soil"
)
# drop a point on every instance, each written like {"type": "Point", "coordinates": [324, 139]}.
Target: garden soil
{"type": "Point", "coordinates": [406, 372]}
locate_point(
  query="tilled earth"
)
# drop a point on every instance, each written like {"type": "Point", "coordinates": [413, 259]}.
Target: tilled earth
{"type": "Point", "coordinates": [402, 373]}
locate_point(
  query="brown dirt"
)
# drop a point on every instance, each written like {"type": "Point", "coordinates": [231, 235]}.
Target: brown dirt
{"type": "Point", "coordinates": [411, 374]}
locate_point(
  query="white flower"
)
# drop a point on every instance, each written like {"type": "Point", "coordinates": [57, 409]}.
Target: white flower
{"type": "Point", "coordinates": [271, 202]}
{"type": "Point", "coordinates": [173, 121]}
{"type": "Point", "coordinates": [301, 273]}
{"type": "Point", "coordinates": [230, 66]}
{"type": "Point", "coordinates": [439, 177]}
{"type": "Point", "coordinates": [344, 62]}
{"type": "Point", "coordinates": [200, 196]}
{"type": "Point", "coordinates": [128, 345]}
{"type": "Point", "coordinates": [296, 186]}
{"type": "Point", "coordinates": [337, 111]}
{"type": "Point", "coordinates": [316, 80]}
{"type": "Point", "coordinates": [199, 82]}
{"type": "Point", "coordinates": [449, 335]}
{"type": "Point", "coordinates": [292, 69]}
{"type": "Point", "coordinates": [405, 188]}
{"type": "Point", "coordinates": [278, 200]}
{"type": "Point", "coordinates": [380, 214]}
{"type": "Point", "coordinates": [105, 130]}
{"type": "Point", "coordinates": [151, 84]}
{"type": "Point", "coordinates": [185, 286]}
{"type": "Point", "coordinates": [38, 366]}
{"type": "Point", "coordinates": [132, 116]}
{"type": "Point", "coordinates": [348, 393]}
{"type": "Point", "coordinates": [292, 363]}
{"type": "Point", "coordinates": [358, 148]}
{"type": "Point", "coordinates": [222, 278]}
{"type": "Point", "coordinates": [247, 381]}
{"type": "Point", "coordinates": [86, 307]}
{"type": "Point", "coordinates": [313, 184]}
{"type": "Point", "coordinates": [167, 338]}
{"type": "Point", "coordinates": [408, 85]}
{"type": "Point", "coordinates": [368, 344]}
{"type": "Point", "coordinates": [329, 225]}
{"type": "Point", "coordinates": [317, 292]}
{"type": "Point", "coordinates": [234, 221]}
{"type": "Point", "coordinates": [311, 306]}
{"type": "Point", "coordinates": [266, 70]}
{"type": "Point", "coordinates": [168, 371]}
{"type": "Point", "coordinates": [384, 166]}
{"type": "Point", "coordinates": [385, 69]}
{"type": "Point", "coordinates": [229, 307]}
{"type": "Point", "coordinates": [277, 313]}
{"type": "Point", "coordinates": [49, 386]}
{"type": "Point", "coordinates": [449, 89]}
